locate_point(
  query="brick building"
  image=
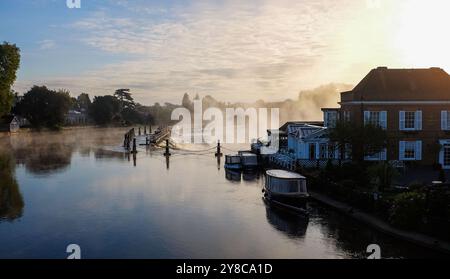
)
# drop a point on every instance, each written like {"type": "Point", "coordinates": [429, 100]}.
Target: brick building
{"type": "Point", "coordinates": [413, 105]}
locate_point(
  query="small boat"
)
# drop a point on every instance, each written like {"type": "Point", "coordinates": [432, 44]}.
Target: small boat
{"type": "Point", "coordinates": [233, 162]}
{"type": "Point", "coordinates": [286, 187]}
{"type": "Point", "coordinates": [249, 161]}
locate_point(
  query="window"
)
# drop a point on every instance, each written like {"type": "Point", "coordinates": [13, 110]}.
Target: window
{"type": "Point", "coordinates": [376, 118]}
{"type": "Point", "coordinates": [312, 151]}
{"type": "Point", "coordinates": [323, 151]}
{"type": "Point", "coordinates": [331, 151]}
{"type": "Point", "coordinates": [330, 118]}
{"type": "Point", "coordinates": [371, 155]}
{"type": "Point", "coordinates": [410, 150]}
{"type": "Point", "coordinates": [446, 155]}
{"type": "Point", "coordinates": [410, 120]}
{"type": "Point", "coordinates": [347, 116]}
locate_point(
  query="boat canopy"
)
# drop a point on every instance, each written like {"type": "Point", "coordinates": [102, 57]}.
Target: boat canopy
{"type": "Point", "coordinates": [280, 181]}
{"type": "Point", "coordinates": [282, 174]}
{"type": "Point", "coordinates": [232, 159]}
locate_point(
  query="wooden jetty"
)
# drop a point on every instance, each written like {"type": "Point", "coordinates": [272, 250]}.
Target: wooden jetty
{"type": "Point", "coordinates": [159, 135]}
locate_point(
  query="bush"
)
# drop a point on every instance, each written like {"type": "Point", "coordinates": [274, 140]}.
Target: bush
{"type": "Point", "coordinates": [408, 210]}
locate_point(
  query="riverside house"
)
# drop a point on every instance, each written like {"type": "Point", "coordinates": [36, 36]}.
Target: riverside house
{"type": "Point", "coordinates": [413, 105]}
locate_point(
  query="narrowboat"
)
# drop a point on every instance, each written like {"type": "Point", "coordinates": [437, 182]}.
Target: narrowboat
{"type": "Point", "coordinates": [286, 187]}
{"type": "Point", "coordinates": [249, 161]}
{"type": "Point", "coordinates": [233, 162]}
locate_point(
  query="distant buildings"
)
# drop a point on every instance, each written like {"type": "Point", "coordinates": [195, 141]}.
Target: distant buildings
{"type": "Point", "coordinates": [75, 118]}
{"type": "Point", "coordinates": [413, 105]}
{"type": "Point", "coordinates": [9, 123]}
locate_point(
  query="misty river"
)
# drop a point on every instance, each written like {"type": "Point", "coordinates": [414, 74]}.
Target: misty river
{"type": "Point", "coordinates": [76, 187]}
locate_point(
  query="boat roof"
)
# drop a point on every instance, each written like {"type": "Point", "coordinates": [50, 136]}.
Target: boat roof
{"type": "Point", "coordinates": [284, 174]}
{"type": "Point", "coordinates": [248, 155]}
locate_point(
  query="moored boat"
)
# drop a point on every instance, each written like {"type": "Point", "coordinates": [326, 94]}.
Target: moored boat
{"type": "Point", "coordinates": [286, 187]}
{"type": "Point", "coordinates": [249, 161]}
{"type": "Point", "coordinates": [233, 162]}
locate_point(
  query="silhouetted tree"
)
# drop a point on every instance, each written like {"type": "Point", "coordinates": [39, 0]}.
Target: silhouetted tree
{"type": "Point", "coordinates": [9, 64]}
{"type": "Point", "coordinates": [363, 140]}
{"type": "Point", "coordinates": [104, 109]}
{"type": "Point", "coordinates": [125, 99]}
{"type": "Point", "coordinates": [44, 107]}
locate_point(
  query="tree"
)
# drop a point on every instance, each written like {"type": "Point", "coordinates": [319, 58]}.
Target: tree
{"type": "Point", "coordinates": [125, 99]}
{"type": "Point", "coordinates": [84, 101]}
{"type": "Point", "coordinates": [104, 109]}
{"type": "Point", "coordinates": [44, 107]}
{"type": "Point", "coordinates": [384, 173]}
{"type": "Point", "coordinates": [9, 64]}
{"type": "Point", "coordinates": [364, 140]}
{"type": "Point", "coordinates": [187, 103]}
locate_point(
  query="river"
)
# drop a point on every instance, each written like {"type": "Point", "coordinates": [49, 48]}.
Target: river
{"type": "Point", "coordinates": [75, 187]}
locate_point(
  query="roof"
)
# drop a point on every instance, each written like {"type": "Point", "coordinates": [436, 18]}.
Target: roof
{"type": "Point", "coordinates": [383, 84]}
{"type": "Point", "coordinates": [285, 125]}
{"type": "Point", "coordinates": [303, 131]}
{"type": "Point", "coordinates": [284, 174]}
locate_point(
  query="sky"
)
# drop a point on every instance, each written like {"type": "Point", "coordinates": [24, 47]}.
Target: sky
{"type": "Point", "coordinates": [232, 50]}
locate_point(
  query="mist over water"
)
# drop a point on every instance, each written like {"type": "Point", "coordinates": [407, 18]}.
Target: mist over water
{"type": "Point", "coordinates": [75, 186]}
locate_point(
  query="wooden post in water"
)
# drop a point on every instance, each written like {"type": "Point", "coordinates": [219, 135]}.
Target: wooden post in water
{"type": "Point", "coordinates": [218, 153]}
{"type": "Point", "coordinates": [167, 153]}
{"type": "Point", "coordinates": [150, 129]}
{"type": "Point", "coordinates": [134, 146]}
{"type": "Point", "coordinates": [145, 130]}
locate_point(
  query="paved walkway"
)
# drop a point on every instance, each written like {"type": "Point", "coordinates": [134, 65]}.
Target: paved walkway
{"type": "Point", "coordinates": [381, 225]}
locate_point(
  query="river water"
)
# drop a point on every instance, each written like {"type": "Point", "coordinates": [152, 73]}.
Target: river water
{"type": "Point", "coordinates": [76, 187]}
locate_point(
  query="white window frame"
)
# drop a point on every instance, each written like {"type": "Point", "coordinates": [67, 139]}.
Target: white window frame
{"type": "Point", "coordinates": [417, 150]}
{"type": "Point", "coordinates": [330, 122]}
{"type": "Point", "coordinates": [445, 120]}
{"type": "Point", "coordinates": [441, 153]}
{"type": "Point", "coordinates": [417, 121]}
{"type": "Point", "coordinates": [380, 156]}
{"type": "Point", "coordinates": [382, 118]}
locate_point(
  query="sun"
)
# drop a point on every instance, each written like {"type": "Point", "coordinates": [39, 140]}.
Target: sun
{"type": "Point", "coordinates": [421, 33]}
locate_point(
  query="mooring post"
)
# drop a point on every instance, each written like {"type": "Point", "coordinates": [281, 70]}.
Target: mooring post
{"type": "Point", "coordinates": [167, 153]}
{"type": "Point", "coordinates": [134, 146]}
{"type": "Point", "coordinates": [145, 129]}
{"type": "Point", "coordinates": [150, 129]}
{"type": "Point", "coordinates": [218, 153]}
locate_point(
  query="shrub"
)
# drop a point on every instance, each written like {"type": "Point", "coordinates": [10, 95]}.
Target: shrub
{"type": "Point", "coordinates": [408, 210]}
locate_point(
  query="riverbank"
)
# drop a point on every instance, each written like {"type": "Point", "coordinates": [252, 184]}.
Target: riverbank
{"type": "Point", "coordinates": [416, 238]}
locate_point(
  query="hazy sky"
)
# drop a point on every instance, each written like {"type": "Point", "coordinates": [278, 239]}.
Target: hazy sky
{"type": "Point", "coordinates": [263, 49]}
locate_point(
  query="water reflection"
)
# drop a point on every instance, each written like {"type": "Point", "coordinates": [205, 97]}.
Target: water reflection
{"type": "Point", "coordinates": [233, 175]}
{"type": "Point", "coordinates": [120, 211]}
{"type": "Point", "coordinates": [290, 223]}
{"type": "Point", "coordinates": [47, 153]}
{"type": "Point", "coordinates": [11, 201]}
